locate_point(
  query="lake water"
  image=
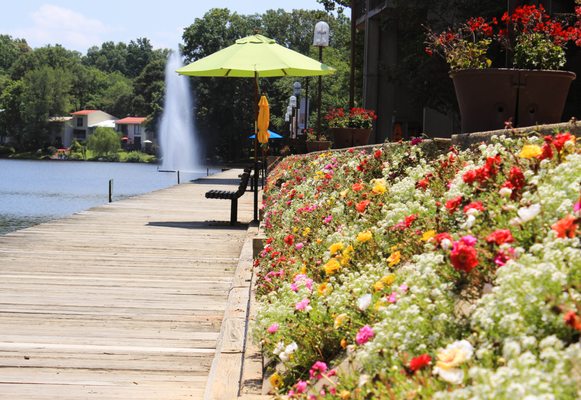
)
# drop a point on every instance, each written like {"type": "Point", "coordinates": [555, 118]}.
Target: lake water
{"type": "Point", "coordinates": [32, 192]}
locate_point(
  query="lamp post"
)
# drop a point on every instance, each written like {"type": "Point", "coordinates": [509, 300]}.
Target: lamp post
{"type": "Point", "coordinates": [297, 94]}
{"type": "Point", "coordinates": [320, 39]}
{"type": "Point", "coordinates": [292, 102]}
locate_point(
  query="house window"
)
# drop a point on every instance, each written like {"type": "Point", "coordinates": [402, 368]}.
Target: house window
{"type": "Point", "coordinates": [79, 121]}
{"type": "Point", "coordinates": [137, 129]}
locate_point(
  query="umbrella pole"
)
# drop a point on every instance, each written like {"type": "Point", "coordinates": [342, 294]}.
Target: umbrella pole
{"type": "Point", "coordinates": [256, 172]}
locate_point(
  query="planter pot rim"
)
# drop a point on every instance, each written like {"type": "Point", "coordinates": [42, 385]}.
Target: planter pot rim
{"type": "Point", "coordinates": [502, 71]}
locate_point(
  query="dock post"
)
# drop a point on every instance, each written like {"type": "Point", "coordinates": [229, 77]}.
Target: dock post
{"type": "Point", "coordinates": [110, 190]}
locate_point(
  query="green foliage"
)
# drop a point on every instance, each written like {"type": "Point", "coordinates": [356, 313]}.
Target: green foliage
{"type": "Point", "coordinates": [6, 150]}
{"type": "Point", "coordinates": [104, 142]}
{"type": "Point", "coordinates": [136, 157]}
{"type": "Point", "coordinates": [535, 51]}
{"type": "Point", "coordinates": [223, 113]}
{"type": "Point", "coordinates": [11, 49]}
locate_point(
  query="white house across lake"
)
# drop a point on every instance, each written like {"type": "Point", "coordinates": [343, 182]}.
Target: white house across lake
{"type": "Point", "coordinates": [80, 125]}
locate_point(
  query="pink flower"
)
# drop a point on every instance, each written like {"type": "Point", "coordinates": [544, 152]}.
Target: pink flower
{"type": "Point", "coordinates": [299, 246]}
{"type": "Point", "coordinates": [302, 305]}
{"type": "Point", "coordinates": [294, 287]}
{"type": "Point", "coordinates": [403, 288]}
{"type": "Point", "coordinates": [392, 297]}
{"type": "Point", "coordinates": [468, 240]}
{"type": "Point", "coordinates": [317, 370]}
{"type": "Point", "coordinates": [273, 328]}
{"type": "Point", "coordinates": [364, 335]}
{"type": "Point", "coordinates": [577, 206]}
{"type": "Point", "coordinates": [328, 219]}
{"type": "Point", "coordinates": [301, 387]}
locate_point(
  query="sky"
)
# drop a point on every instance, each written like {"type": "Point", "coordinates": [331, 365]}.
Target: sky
{"type": "Point", "coordinates": [78, 25]}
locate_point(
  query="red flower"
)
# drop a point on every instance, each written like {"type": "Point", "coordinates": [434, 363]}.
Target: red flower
{"type": "Point", "coordinates": [423, 183]}
{"type": "Point", "coordinates": [453, 204]}
{"type": "Point", "coordinates": [560, 140]}
{"type": "Point", "coordinates": [469, 176]}
{"type": "Point", "coordinates": [357, 187]}
{"type": "Point", "coordinates": [420, 362]}
{"type": "Point", "coordinates": [565, 227]}
{"type": "Point", "coordinates": [516, 178]}
{"type": "Point", "coordinates": [463, 256]}
{"type": "Point", "coordinates": [362, 205]}
{"type": "Point", "coordinates": [573, 320]}
{"type": "Point", "coordinates": [289, 239]}
{"type": "Point", "coordinates": [378, 153]}
{"type": "Point", "coordinates": [475, 205]}
{"type": "Point", "coordinates": [500, 236]}
{"type": "Point", "coordinates": [441, 236]}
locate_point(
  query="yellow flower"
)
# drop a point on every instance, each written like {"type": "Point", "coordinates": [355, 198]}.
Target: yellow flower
{"type": "Point", "coordinates": [319, 241]}
{"type": "Point", "coordinates": [332, 266]}
{"type": "Point", "coordinates": [388, 279]}
{"type": "Point", "coordinates": [345, 395]}
{"type": "Point", "coordinates": [295, 229]}
{"type": "Point", "coordinates": [335, 248]}
{"type": "Point", "coordinates": [343, 343]}
{"type": "Point", "coordinates": [365, 236]}
{"type": "Point", "coordinates": [306, 232]}
{"type": "Point", "coordinates": [344, 193]}
{"type": "Point", "coordinates": [275, 380]}
{"type": "Point", "coordinates": [377, 286]}
{"type": "Point", "coordinates": [304, 269]}
{"type": "Point", "coordinates": [428, 235]}
{"type": "Point", "coordinates": [378, 186]}
{"type": "Point", "coordinates": [340, 320]}
{"type": "Point", "coordinates": [346, 255]}
{"type": "Point", "coordinates": [322, 289]}
{"type": "Point", "coordinates": [530, 151]}
{"type": "Point", "coordinates": [394, 258]}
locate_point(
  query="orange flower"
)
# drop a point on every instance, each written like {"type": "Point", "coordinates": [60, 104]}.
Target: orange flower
{"type": "Point", "coordinates": [362, 205]}
{"type": "Point", "coordinates": [357, 187]}
{"type": "Point", "coordinates": [565, 227]}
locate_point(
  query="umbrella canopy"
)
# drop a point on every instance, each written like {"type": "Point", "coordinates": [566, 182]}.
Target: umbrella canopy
{"type": "Point", "coordinates": [263, 120]}
{"type": "Point", "coordinates": [256, 56]}
{"type": "Point", "coordinates": [271, 135]}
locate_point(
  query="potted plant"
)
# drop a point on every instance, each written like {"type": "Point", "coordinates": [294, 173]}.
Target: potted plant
{"type": "Point", "coordinates": [315, 143]}
{"type": "Point", "coordinates": [350, 128]}
{"type": "Point", "coordinates": [489, 98]}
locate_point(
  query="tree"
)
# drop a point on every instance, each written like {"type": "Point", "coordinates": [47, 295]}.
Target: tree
{"type": "Point", "coordinates": [104, 142]}
{"type": "Point", "coordinates": [224, 105]}
{"type": "Point", "coordinates": [45, 93]}
{"type": "Point", "coordinates": [139, 55]}
{"type": "Point", "coordinates": [110, 57]}
{"type": "Point", "coordinates": [10, 50]}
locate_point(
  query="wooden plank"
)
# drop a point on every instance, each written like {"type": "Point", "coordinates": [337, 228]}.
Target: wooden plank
{"type": "Point", "coordinates": [123, 301]}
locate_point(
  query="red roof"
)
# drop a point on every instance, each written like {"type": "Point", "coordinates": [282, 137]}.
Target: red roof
{"type": "Point", "coordinates": [131, 120]}
{"type": "Point", "coordinates": [84, 112]}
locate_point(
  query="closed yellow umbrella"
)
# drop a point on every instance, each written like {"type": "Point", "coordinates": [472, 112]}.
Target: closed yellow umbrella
{"type": "Point", "coordinates": [263, 120]}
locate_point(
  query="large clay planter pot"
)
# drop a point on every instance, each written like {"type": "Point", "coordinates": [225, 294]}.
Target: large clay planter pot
{"type": "Point", "coordinates": [349, 137]}
{"type": "Point", "coordinates": [318, 145]}
{"type": "Point", "coordinates": [487, 98]}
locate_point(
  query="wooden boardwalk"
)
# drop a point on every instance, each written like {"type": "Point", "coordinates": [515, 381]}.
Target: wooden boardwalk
{"type": "Point", "coordinates": [123, 301]}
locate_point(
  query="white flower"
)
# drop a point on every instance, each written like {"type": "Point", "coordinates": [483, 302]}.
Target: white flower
{"type": "Point", "coordinates": [505, 192]}
{"type": "Point", "coordinates": [291, 348]}
{"type": "Point", "coordinates": [446, 244]}
{"type": "Point", "coordinates": [526, 214]}
{"type": "Point", "coordinates": [278, 349]}
{"type": "Point", "coordinates": [364, 302]}
{"type": "Point", "coordinates": [453, 356]}
{"type": "Point", "coordinates": [454, 376]}
{"type": "Point", "coordinates": [469, 221]}
{"type": "Point", "coordinates": [363, 379]}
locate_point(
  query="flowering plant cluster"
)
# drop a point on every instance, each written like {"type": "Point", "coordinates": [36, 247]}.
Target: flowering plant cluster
{"type": "Point", "coordinates": [537, 40]}
{"type": "Point", "coordinates": [354, 118]}
{"type": "Point", "coordinates": [400, 273]}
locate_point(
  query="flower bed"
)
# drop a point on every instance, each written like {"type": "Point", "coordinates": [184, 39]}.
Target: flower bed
{"type": "Point", "coordinates": [391, 274]}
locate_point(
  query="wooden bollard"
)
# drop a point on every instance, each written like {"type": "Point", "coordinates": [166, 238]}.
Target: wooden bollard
{"type": "Point", "coordinates": [110, 190]}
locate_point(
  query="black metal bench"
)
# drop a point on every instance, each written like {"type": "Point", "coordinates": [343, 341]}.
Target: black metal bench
{"type": "Point", "coordinates": [231, 195]}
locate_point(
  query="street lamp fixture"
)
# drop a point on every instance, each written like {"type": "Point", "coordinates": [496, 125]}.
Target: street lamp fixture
{"type": "Point", "coordinates": [320, 39]}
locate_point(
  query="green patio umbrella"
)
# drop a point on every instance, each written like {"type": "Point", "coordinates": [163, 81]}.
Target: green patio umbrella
{"type": "Point", "coordinates": [255, 56]}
